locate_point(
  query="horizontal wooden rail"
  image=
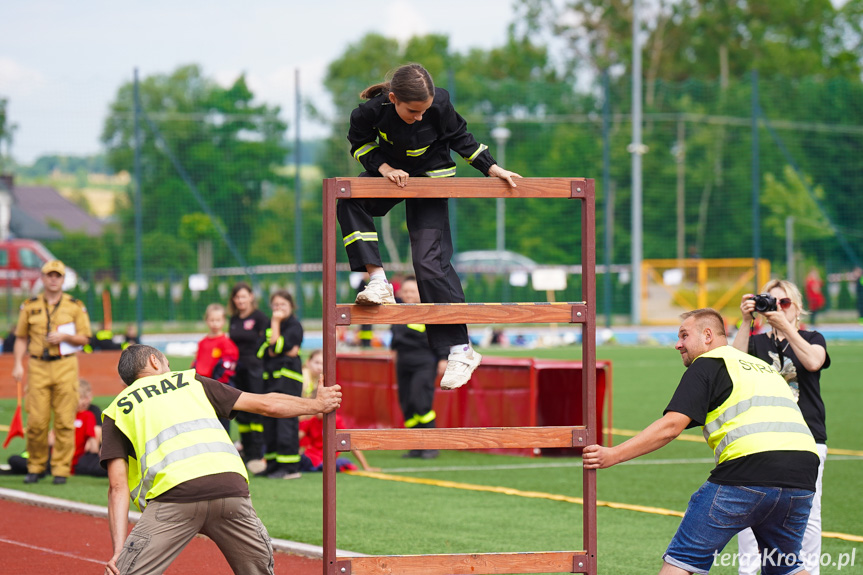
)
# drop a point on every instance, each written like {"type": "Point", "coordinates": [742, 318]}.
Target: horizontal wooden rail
{"type": "Point", "coordinates": [473, 563]}
{"type": "Point", "coordinates": [463, 188]}
{"type": "Point", "coordinates": [461, 438]}
{"type": "Point", "coordinates": [448, 313]}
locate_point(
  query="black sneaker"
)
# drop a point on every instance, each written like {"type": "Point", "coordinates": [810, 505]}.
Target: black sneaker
{"type": "Point", "coordinates": [429, 453]}
{"type": "Point", "coordinates": [413, 453]}
{"type": "Point", "coordinates": [31, 478]}
{"type": "Point", "coordinates": [59, 480]}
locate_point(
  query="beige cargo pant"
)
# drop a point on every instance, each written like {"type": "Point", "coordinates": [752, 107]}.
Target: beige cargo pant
{"type": "Point", "coordinates": [166, 528]}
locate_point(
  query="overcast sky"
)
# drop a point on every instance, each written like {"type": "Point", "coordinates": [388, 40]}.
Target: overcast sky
{"type": "Point", "coordinates": [62, 62]}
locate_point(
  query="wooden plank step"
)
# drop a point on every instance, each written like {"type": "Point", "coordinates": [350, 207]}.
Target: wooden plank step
{"type": "Point", "coordinates": [473, 563]}
{"type": "Point", "coordinates": [456, 313]}
{"type": "Point", "coordinates": [463, 188]}
{"type": "Point", "coordinates": [461, 438]}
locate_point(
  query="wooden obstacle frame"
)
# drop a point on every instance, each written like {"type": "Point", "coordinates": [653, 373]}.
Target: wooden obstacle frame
{"type": "Point", "coordinates": [583, 312]}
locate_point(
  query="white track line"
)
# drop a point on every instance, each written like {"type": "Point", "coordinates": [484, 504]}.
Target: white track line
{"type": "Point", "coordinates": [51, 551]}
{"type": "Point", "coordinates": [575, 464]}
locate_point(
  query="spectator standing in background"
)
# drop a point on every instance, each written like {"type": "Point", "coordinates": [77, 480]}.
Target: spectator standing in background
{"type": "Point", "coordinates": [799, 356]}
{"type": "Point", "coordinates": [417, 369]}
{"type": "Point", "coordinates": [814, 293]}
{"type": "Point", "coordinates": [283, 373]}
{"type": "Point", "coordinates": [247, 330]}
{"type": "Point", "coordinates": [217, 355]}
{"type": "Point", "coordinates": [858, 283]}
{"type": "Point", "coordinates": [51, 328]}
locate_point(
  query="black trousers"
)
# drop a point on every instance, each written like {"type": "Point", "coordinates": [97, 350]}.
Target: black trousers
{"type": "Point", "coordinates": [431, 250]}
{"type": "Point", "coordinates": [416, 386]}
{"type": "Point", "coordinates": [282, 435]}
{"type": "Point", "coordinates": [250, 378]}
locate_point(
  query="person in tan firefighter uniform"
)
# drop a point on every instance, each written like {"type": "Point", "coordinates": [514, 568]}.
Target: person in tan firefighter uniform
{"type": "Point", "coordinates": [51, 328]}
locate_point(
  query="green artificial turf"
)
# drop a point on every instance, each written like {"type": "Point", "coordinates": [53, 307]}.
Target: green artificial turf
{"type": "Point", "coordinates": [388, 517]}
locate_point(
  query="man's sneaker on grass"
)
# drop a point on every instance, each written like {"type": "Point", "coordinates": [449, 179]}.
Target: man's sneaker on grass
{"type": "Point", "coordinates": [459, 367]}
{"type": "Point", "coordinates": [376, 292]}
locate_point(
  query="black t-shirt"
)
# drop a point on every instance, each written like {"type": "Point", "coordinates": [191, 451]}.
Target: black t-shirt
{"type": "Point", "coordinates": [248, 334]}
{"type": "Point", "coordinates": [781, 356]}
{"type": "Point", "coordinates": [705, 386]}
{"type": "Point", "coordinates": [115, 445]}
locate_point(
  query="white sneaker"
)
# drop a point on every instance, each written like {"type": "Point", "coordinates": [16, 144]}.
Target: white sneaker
{"type": "Point", "coordinates": [459, 368]}
{"type": "Point", "coordinates": [256, 466]}
{"type": "Point", "coordinates": [377, 292]}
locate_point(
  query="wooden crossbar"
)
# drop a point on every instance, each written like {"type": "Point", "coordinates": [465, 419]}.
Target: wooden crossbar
{"type": "Point", "coordinates": [473, 563]}
{"type": "Point", "coordinates": [461, 438]}
{"type": "Point", "coordinates": [463, 188]}
{"type": "Point", "coordinates": [468, 313]}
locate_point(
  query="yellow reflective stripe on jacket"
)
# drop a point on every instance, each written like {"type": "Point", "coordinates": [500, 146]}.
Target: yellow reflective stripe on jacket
{"type": "Point", "coordinates": [364, 149]}
{"type": "Point", "coordinates": [760, 414]}
{"type": "Point", "coordinates": [278, 347]}
{"type": "Point", "coordinates": [282, 458]}
{"type": "Point", "coordinates": [473, 156]}
{"type": "Point", "coordinates": [175, 434]}
{"type": "Point", "coordinates": [416, 153]}
{"type": "Point", "coordinates": [284, 372]}
{"type": "Point", "coordinates": [384, 137]}
{"type": "Point", "coordinates": [417, 419]}
{"type": "Point", "coordinates": [360, 236]}
{"type": "Point", "coordinates": [442, 173]}
{"type": "Point", "coordinates": [420, 327]}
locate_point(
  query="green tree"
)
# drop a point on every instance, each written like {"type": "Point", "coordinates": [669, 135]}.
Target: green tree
{"type": "Point", "coordinates": [227, 144]}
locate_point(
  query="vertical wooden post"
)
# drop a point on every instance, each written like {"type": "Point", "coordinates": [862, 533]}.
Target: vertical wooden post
{"type": "Point", "coordinates": [588, 363]}
{"type": "Point", "coordinates": [329, 347]}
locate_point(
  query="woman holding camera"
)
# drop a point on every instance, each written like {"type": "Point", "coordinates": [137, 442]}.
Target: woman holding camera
{"type": "Point", "coordinates": [799, 356]}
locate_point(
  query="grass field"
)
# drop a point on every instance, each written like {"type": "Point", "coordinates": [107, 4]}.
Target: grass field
{"type": "Point", "coordinates": [388, 516]}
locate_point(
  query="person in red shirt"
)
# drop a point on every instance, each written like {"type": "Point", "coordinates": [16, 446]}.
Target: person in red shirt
{"type": "Point", "coordinates": [217, 354]}
{"type": "Point", "coordinates": [88, 436]}
{"type": "Point", "coordinates": [312, 429]}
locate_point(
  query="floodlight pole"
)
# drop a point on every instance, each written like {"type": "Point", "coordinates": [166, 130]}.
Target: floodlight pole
{"type": "Point", "coordinates": [139, 222]}
{"type": "Point", "coordinates": [298, 207]}
{"type": "Point", "coordinates": [501, 134]}
{"type": "Point", "coordinates": [636, 148]}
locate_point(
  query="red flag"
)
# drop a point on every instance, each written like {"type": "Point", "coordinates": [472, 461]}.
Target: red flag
{"type": "Point", "coordinates": [15, 428]}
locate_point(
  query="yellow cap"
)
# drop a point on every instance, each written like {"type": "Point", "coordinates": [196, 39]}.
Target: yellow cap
{"type": "Point", "coordinates": [54, 266]}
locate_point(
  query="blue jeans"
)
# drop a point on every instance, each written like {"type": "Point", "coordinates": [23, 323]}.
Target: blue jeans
{"type": "Point", "coordinates": [716, 513]}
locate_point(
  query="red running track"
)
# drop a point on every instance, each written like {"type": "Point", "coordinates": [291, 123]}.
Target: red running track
{"type": "Point", "coordinates": [37, 540]}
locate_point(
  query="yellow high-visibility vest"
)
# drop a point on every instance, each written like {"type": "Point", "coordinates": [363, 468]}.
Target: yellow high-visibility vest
{"type": "Point", "coordinates": [760, 414]}
{"type": "Point", "coordinates": [175, 433]}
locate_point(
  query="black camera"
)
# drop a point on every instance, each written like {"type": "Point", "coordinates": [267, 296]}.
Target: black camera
{"type": "Point", "coordinates": [764, 302]}
{"type": "Point", "coordinates": [46, 355]}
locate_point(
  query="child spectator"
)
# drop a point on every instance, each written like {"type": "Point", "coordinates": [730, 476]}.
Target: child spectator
{"type": "Point", "coordinates": [312, 431]}
{"type": "Point", "coordinates": [283, 373]}
{"type": "Point", "coordinates": [88, 438]}
{"type": "Point", "coordinates": [311, 372]}
{"type": "Point", "coordinates": [217, 354]}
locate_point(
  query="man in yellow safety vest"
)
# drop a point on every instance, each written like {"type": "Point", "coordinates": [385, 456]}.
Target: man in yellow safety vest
{"type": "Point", "coordinates": [166, 450]}
{"type": "Point", "coordinates": [766, 460]}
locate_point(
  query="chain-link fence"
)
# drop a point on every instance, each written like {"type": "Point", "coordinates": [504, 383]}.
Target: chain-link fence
{"type": "Point", "coordinates": [218, 195]}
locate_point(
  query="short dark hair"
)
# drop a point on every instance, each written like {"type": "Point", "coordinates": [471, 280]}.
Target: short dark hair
{"type": "Point", "coordinates": [133, 360]}
{"type": "Point", "coordinates": [707, 316]}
